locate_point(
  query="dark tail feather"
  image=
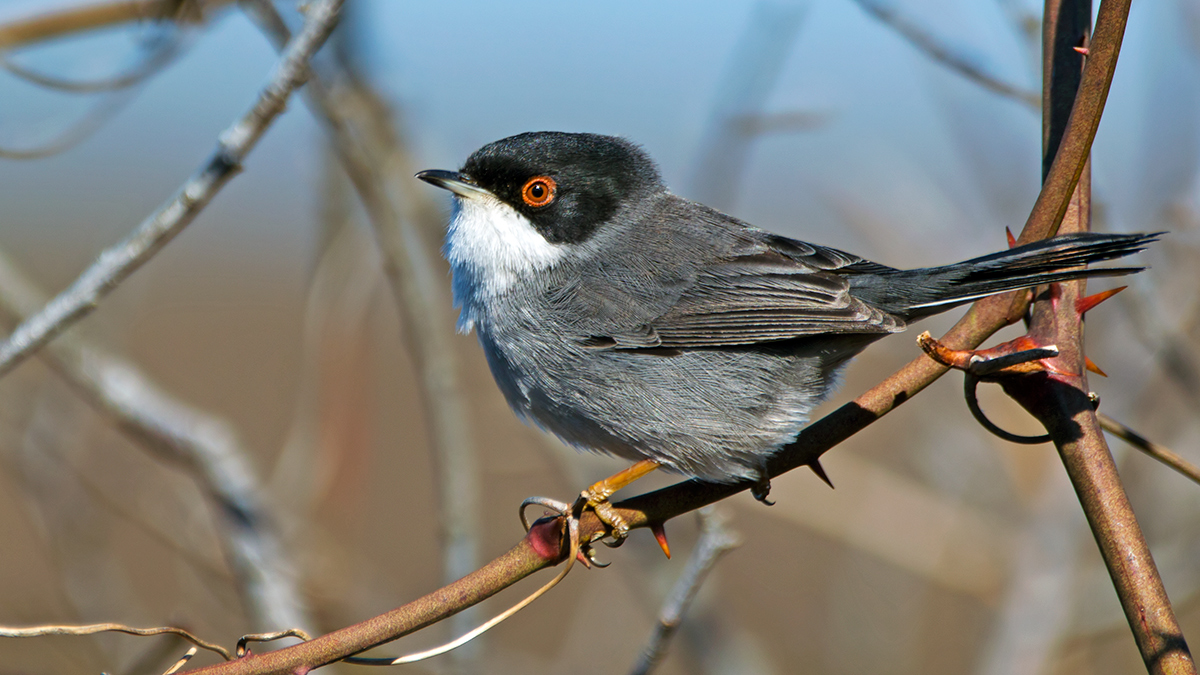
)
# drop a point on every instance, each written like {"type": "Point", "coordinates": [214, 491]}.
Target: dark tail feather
{"type": "Point", "coordinates": [923, 292]}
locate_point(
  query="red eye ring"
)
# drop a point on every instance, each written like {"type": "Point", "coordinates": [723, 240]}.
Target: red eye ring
{"type": "Point", "coordinates": [538, 191]}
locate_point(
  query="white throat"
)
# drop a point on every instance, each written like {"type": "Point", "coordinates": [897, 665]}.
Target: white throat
{"type": "Point", "coordinates": [490, 246]}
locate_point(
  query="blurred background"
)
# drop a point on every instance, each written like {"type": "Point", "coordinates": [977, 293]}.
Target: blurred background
{"type": "Point", "coordinates": [268, 341]}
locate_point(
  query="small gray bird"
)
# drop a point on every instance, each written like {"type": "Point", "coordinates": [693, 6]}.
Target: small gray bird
{"type": "Point", "coordinates": [629, 321]}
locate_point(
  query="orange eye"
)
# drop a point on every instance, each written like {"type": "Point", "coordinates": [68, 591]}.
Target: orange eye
{"type": "Point", "coordinates": [538, 191]}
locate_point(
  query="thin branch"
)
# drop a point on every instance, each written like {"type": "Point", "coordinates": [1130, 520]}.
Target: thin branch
{"type": "Point", "coordinates": [746, 81]}
{"type": "Point", "coordinates": [91, 122]}
{"type": "Point", "coordinates": [356, 120]}
{"type": "Point", "coordinates": [116, 263]}
{"type": "Point", "coordinates": [937, 50]}
{"type": "Point", "coordinates": [543, 547]}
{"type": "Point", "coordinates": [117, 95]}
{"type": "Point", "coordinates": [157, 57]}
{"type": "Point", "coordinates": [716, 539]}
{"type": "Point", "coordinates": [1159, 452]}
{"type": "Point", "coordinates": [44, 26]}
{"type": "Point", "coordinates": [92, 629]}
{"type": "Point", "coordinates": [178, 433]}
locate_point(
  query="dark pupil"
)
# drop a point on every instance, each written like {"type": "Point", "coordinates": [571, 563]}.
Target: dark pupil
{"type": "Point", "coordinates": [537, 190]}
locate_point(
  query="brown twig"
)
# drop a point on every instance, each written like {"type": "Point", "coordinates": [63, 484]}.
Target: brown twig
{"type": "Point", "coordinates": [115, 264]}
{"type": "Point", "coordinates": [45, 26]}
{"type": "Point", "coordinates": [984, 318]}
{"type": "Point", "coordinates": [1160, 452]}
{"type": "Point", "coordinates": [1060, 401]}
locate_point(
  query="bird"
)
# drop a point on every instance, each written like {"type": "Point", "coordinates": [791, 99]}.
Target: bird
{"type": "Point", "coordinates": [630, 321]}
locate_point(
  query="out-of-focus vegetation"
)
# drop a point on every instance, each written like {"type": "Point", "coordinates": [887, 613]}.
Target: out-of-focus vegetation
{"type": "Point", "coordinates": [942, 550]}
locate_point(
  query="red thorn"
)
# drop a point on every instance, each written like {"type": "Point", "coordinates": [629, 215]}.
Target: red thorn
{"type": "Point", "coordinates": [816, 467]}
{"type": "Point", "coordinates": [1091, 365]}
{"type": "Point", "coordinates": [1012, 241]}
{"type": "Point", "coordinates": [1081, 50]}
{"type": "Point", "coordinates": [660, 535]}
{"type": "Point", "coordinates": [1082, 305]}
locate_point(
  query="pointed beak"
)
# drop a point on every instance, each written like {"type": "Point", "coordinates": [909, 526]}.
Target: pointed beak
{"type": "Point", "coordinates": [458, 183]}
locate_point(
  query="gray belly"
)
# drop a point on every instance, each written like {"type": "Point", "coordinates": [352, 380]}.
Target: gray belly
{"type": "Point", "coordinates": [713, 414]}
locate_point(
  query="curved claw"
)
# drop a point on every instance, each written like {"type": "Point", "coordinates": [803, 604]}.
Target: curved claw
{"type": "Point", "coordinates": [590, 553]}
{"type": "Point", "coordinates": [761, 489]}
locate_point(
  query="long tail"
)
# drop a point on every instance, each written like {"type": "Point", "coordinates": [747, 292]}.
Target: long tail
{"type": "Point", "coordinates": [922, 292]}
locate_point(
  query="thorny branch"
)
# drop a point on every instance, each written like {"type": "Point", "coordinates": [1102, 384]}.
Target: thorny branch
{"type": "Point", "coordinates": [178, 433]}
{"type": "Point", "coordinates": [542, 547]}
{"type": "Point", "coordinates": [115, 264]}
{"type": "Point", "coordinates": [1061, 402]}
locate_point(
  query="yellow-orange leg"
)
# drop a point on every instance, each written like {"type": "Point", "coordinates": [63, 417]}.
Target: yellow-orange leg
{"type": "Point", "coordinates": [596, 497]}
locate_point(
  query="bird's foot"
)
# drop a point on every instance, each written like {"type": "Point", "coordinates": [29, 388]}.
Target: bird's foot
{"type": "Point", "coordinates": [762, 489]}
{"type": "Point", "coordinates": [597, 500]}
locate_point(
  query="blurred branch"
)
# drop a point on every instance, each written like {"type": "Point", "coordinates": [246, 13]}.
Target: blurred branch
{"type": "Point", "coordinates": [60, 23]}
{"type": "Point", "coordinates": [115, 264]}
{"type": "Point", "coordinates": [716, 539]}
{"type": "Point", "coordinates": [203, 444]}
{"type": "Point", "coordinates": [157, 58]}
{"type": "Point", "coordinates": [761, 124]}
{"type": "Point", "coordinates": [746, 81]}
{"type": "Point", "coordinates": [80, 131]}
{"type": "Point", "coordinates": [543, 545]}
{"type": "Point", "coordinates": [357, 122]}
{"type": "Point", "coordinates": [1159, 452]}
{"type": "Point", "coordinates": [950, 57]}
{"type": "Point", "coordinates": [946, 542]}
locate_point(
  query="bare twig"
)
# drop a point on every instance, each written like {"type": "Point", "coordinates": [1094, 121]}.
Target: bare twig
{"type": "Point", "coordinates": [116, 263]}
{"type": "Point", "coordinates": [116, 90]}
{"type": "Point", "coordinates": [44, 26]}
{"type": "Point", "coordinates": [92, 629]}
{"type": "Point", "coordinates": [716, 539]}
{"type": "Point", "coordinates": [984, 318]}
{"type": "Point", "coordinates": [79, 131]}
{"type": "Point", "coordinates": [355, 119]}
{"type": "Point", "coordinates": [178, 433]}
{"type": "Point", "coordinates": [948, 56]}
{"type": "Point", "coordinates": [1159, 452]}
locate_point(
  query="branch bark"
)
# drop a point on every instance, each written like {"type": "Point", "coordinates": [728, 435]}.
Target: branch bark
{"type": "Point", "coordinates": [535, 552]}
{"type": "Point", "coordinates": [1061, 401]}
{"type": "Point", "coordinates": [116, 263]}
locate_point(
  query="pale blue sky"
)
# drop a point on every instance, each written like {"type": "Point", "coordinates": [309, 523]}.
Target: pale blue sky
{"type": "Point", "coordinates": [906, 145]}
